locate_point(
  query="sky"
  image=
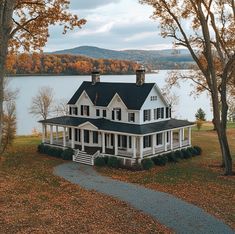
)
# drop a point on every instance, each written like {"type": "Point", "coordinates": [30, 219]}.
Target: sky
{"type": "Point", "coordinates": [111, 24]}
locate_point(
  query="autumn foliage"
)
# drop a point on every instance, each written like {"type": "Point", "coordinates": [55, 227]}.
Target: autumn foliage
{"type": "Point", "coordinates": [37, 63]}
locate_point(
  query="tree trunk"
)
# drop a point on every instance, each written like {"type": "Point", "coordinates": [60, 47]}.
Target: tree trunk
{"type": "Point", "coordinates": [6, 12]}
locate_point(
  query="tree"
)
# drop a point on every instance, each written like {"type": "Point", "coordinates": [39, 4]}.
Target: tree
{"type": "Point", "coordinates": [42, 103]}
{"type": "Point", "coordinates": [200, 115]}
{"type": "Point", "coordinates": [211, 43]}
{"type": "Point", "coordinates": [9, 116]}
{"type": "Point", "coordinates": [61, 107]}
{"type": "Point", "coordinates": [24, 24]}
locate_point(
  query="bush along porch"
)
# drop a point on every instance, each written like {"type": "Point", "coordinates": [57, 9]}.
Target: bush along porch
{"type": "Point", "coordinates": [128, 121]}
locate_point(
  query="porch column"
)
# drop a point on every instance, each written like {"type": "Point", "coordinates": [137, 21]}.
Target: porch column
{"type": "Point", "coordinates": [82, 139]}
{"type": "Point", "coordinates": [171, 139]}
{"type": "Point", "coordinates": [43, 133]}
{"type": "Point", "coordinates": [103, 142]}
{"type": "Point", "coordinates": [183, 137]}
{"type": "Point", "coordinates": [189, 135]}
{"type": "Point", "coordinates": [73, 138]}
{"type": "Point", "coordinates": [180, 137]}
{"type": "Point", "coordinates": [153, 143]}
{"type": "Point", "coordinates": [56, 133]}
{"type": "Point", "coordinates": [51, 134]}
{"type": "Point", "coordinates": [115, 144]}
{"type": "Point", "coordinates": [134, 146]}
{"type": "Point", "coordinates": [64, 137]}
{"type": "Point", "coordinates": [165, 140]}
{"type": "Point", "coordinates": [141, 147]}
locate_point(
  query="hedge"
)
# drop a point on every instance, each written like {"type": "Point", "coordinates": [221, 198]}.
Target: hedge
{"type": "Point", "coordinates": [114, 162]}
{"type": "Point", "coordinates": [160, 160]}
{"type": "Point", "coordinates": [66, 154]}
{"type": "Point", "coordinates": [147, 163]}
{"type": "Point", "coordinates": [100, 161]}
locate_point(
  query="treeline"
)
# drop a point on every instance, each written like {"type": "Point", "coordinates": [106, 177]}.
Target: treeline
{"type": "Point", "coordinates": [64, 64]}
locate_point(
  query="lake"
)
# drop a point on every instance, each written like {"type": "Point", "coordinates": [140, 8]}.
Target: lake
{"type": "Point", "coordinates": [65, 86]}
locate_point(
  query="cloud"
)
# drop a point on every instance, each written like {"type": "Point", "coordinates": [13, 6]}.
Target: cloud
{"type": "Point", "coordinates": [90, 4]}
{"type": "Point", "coordinates": [123, 25]}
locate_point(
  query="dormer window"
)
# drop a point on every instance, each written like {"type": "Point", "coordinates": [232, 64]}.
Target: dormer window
{"type": "Point", "coordinates": [85, 110]}
{"type": "Point", "coordinates": [104, 114]}
{"type": "Point", "coordinates": [97, 112]}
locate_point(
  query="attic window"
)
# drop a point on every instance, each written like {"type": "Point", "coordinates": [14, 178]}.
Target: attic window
{"type": "Point", "coordinates": [153, 98]}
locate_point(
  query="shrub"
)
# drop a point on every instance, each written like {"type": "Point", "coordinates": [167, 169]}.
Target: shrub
{"type": "Point", "coordinates": [160, 160]}
{"type": "Point", "coordinates": [189, 152]}
{"type": "Point", "coordinates": [198, 150]}
{"type": "Point", "coordinates": [147, 163]}
{"type": "Point", "coordinates": [113, 162]}
{"type": "Point", "coordinates": [171, 157]}
{"type": "Point", "coordinates": [100, 162]}
{"type": "Point", "coordinates": [193, 151]}
{"type": "Point", "coordinates": [41, 148]}
{"type": "Point", "coordinates": [106, 158]}
{"type": "Point", "coordinates": [67, 154]}
{"type": "Point", "coordinates": [186, 153]}
{"type": "Point", "coordinates": [179, 154]}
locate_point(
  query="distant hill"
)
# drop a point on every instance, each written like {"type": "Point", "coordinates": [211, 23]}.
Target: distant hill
{"type": "Point", "coordinates": [158, 59]}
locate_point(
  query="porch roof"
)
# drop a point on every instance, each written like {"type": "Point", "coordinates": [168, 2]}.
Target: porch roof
{"type": "Point", "coordinates": [108, 125]}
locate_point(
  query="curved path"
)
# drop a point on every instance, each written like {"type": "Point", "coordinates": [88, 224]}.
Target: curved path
{"type": "Point", "coordinates": [176, 214]}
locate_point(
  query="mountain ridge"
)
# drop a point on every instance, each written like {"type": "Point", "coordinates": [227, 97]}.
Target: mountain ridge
{"type": "Point", "coordinates": [167, 58]}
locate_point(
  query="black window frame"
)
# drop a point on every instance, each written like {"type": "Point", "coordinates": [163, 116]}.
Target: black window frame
{"type": "Point", "coordinates": [131, 117]}
{"type": "Point", "coordinates": [147, 115]}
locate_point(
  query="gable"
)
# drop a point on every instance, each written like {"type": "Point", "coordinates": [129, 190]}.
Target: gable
{"type": "Point", "coordinates": [117, 102]}
{"type": "Point", "coordinates": [88, 126]}
{"type": "Point", "coordinates": [159, 101]}
{"type": "Point", "coordinates": [84, 99]}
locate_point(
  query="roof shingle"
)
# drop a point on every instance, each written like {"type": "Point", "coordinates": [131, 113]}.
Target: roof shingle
{"type": "Point", "coordinates": [102, 93]}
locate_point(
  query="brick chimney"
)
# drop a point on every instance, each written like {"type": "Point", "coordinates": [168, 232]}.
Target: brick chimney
{"type": "Point", "coordinates": [95, 76]}
{"type": "Point", "coordinates": [140, 76]}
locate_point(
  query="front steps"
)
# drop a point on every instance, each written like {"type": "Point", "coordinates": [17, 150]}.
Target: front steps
{"type": "Point", "coordinates": [83, 157]}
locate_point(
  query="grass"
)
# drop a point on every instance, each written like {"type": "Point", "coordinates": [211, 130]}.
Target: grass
{"type": "Point", "coordinates": [33, 200]}
{"type": "Point", "coordinates": [198, 180]}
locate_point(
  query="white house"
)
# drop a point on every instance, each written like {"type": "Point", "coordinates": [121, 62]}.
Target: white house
{"type": "Point", "coordinates": [131, 121]}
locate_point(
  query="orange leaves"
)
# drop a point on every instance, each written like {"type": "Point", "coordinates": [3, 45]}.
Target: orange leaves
{"type": "Point", "coordinates": [65, 64]}
{"type": "Point", "coordinates": [32, 18]}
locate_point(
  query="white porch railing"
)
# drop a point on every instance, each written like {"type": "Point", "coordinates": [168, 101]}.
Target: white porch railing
{"type": "Point", "coordinates": [125, 153]}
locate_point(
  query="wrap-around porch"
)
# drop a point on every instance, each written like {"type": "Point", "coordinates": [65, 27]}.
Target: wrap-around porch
{"type": "Point", "coordinates": [117, 144]}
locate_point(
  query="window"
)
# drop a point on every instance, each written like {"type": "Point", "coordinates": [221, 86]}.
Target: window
{"type": "Point", "coordinates": [104, 113]}
{"type": "Point", "coordinates": [86, 136]}
{"type": "Point", "coordinates": [73, 110]}
{"type": "Point", "coordinates": [147, 141]}
{"type": "Point", "coordinates": [85, 110]}
{"type": "Point", "coordinates": [147, 115]}
{"type": "Point", "coordinates": [159, 139]}
{"type": "Point", "coordinates": [95, 137]}
{"type": "Point", "coordinates": [131, 117]}
{"type": "Point", "coordinates": [162, 112]}
{"type": "Point", "coordinates": [159, 113]}
{"type": "Point", "coordinates": [76, 134]}
{"type": "Point", "coordinates": [168, 137]}
{"type": "Point", "coordinates": [153, 98]}
{"type": "Point", "coordinates": [167, 112]}
{"type": "Point", "coordinates": [97, 112]}
{"type": "Point", "coordinates": [130, 142]}
{"type": "Point", "coordinates": [116, 114]}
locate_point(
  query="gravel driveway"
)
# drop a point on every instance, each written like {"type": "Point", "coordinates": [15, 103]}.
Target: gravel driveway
{"type": "Point", "coordinates": [176, 214]}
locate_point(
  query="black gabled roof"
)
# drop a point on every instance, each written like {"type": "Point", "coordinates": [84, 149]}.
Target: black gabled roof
{"type": "Point", "coordinates": [102, 93]}
{"type": "Point", "coordinates": [108, 125]}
